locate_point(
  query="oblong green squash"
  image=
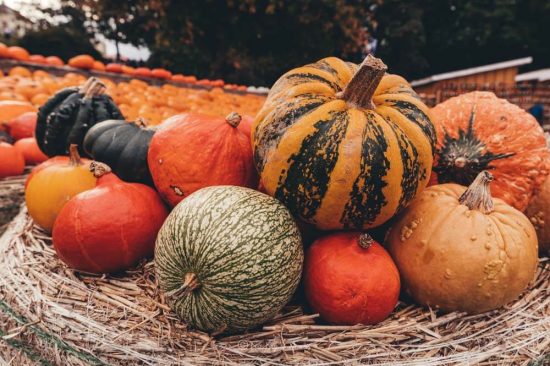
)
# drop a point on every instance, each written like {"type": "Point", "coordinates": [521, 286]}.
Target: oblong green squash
{"type": "Point", "coordinates": [228, 258]}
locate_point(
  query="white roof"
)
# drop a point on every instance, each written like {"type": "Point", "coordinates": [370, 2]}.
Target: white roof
{"type": "Point", "coordinates": [473, 71]}
{"type": "Point", "coordinates": [540, 75]}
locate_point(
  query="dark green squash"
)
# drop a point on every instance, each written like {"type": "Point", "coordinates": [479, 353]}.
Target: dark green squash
{"type": "Point", "coordinates": [68, 115]}
{"type": "Point", "coordinates": [123, 146]}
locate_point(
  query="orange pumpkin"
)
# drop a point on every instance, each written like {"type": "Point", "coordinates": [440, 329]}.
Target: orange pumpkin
{"type": "Point", "coordinates": [10, 109]}
{"type": "Point", "coordinates": [4, 51]}
{"type": "Point", "coordinates": [22, 126]}
{"type": "Point", "coordinates": [349, 279]}
{"type": "Point", "coordinates": [82, 62]}
{"type": "Point", "coordinates": [51, 187]}
{"type": "Point", "coordinates": [20, 71]}
{"type": "Point", "coordinates": [161, 73]}
{"type": "Point", "coordinates": [538, 213]}
{"type": "Point", "coordinates": [178, 78]}
{"type": "Point", "coordinates": [18, 53]}
{"type": "Point", "coordinates": [54, 61]}
{"type": "Point", "coordinates": [56, 160]}
{"type": "Point", "coordinates": [37, 59]}
{"type": "Point", "coordinates": [110, 227]}
{"type": "Point", "coordinates": [216, 153]}
{"type": "Point", "coordinates": [99, 66]}
{"type": "Point", "coordinates": [30, 150]}
{"type": "Point", "coordinates": [478, 131]}
{"type": "Point", "coordinates": [12, 161]}
{"type": "Point", "coordinates": [129, 70]}
{"type": "Point", "coordinates": [142, 72]}
{"type": "Point", "coordinates": [114, 67]}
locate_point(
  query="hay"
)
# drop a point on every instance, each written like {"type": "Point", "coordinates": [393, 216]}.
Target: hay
{"type": "Point", "coordinates": [53, 315]}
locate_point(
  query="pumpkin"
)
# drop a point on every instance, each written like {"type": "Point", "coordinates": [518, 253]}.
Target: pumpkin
{"type": "Point", "coordinates": [4, 51]}
{"type": "Point", "coordinates": [56, 160]}
{"type": "Point", "coordinates": [228, 258]}
{"type": "Point", "coordinates": [114, 67]}
{"type": "Point", "coordinates": [12, 161]}
{"type": "Point", "coordinates": [129, 70]}
{"type": "Point", "coordinates": [82, 62]}
{"type": "Point", "coordinates": [350, 279]}
{"type": "Point", "coordinates": [458, 249]}
{"type": "Point", "coordinates": [161, 73]}
{"type": "Point", "coordinates": [20, 71]}
{"type": "Point", "coordinates": [142, 72]}
{"type": "Point", "coordinates": [11, 109]}
{"type": "Point", "coordinates": [69, 114]}
{"type": "Point", "coordinates": [37, 59]}
{"type": "Point", "coordinates": [178, 78]}
{"type": "Point", "coordinates": [123, 146]}
{"type": "Point", "coordinates": [98, 66]}
{"type": "Point", "coordinates": [53, 185]}
{"type": "Point", "coordinates": [54, 61]}
{"type": "Point", "coordinates": [22, 126]}
{"type": "Point", "coordinates": [18, 53]}
{"type": "Point", "coordinates": [343, 146]}
{"type": "Point", "coordinates": [478, 131]}
{"type": "Point", "coordinates": [109, 228]}
{"type": "Point", "coordinates": [538, 211]}
{"type": "Point", "coordinates": [30, 150]}
{"type": "Point", "coordinates": [216, 153]}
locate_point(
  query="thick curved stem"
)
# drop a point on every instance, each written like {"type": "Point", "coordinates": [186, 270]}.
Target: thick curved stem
{"type": "Point", "coordinates": [233, 119]}
{"type": "Point", "coordinates": [365, 241]}
{"type": "Point", "coordinates": [92, 88]}
{"type": "Point", "coordinates": [190, 283]}
{"type": "Point", "coordinates": [99, 169]}
{"type": "Point", "coordinates": [363, 84]}
{"type": "Point", "coordinates": [478, 195]}
{"type": "Point", "coordinates": [74, 156]}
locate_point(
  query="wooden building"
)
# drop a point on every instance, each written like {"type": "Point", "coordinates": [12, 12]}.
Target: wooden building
{"type": "Point", "coordinates": [500, 73]}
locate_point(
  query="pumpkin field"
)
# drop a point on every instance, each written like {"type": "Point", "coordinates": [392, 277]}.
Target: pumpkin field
{"type": "Point", "coordinates": [336, 219]}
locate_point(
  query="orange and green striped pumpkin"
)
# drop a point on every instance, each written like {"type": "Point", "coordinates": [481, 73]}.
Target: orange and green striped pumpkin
{"type": "Point", "coordinates": [342, 145]}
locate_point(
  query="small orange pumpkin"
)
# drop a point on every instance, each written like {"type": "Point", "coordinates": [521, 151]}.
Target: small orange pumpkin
{"type": "Point", "coordinates": [37, 59]}
{"type": "Point", "coordinates": [217, 153]}
{"type": "Point", "coordinates": [4, 51]}
{"type": "Point", "coordinates": [18, 53]}
{"type": "Point", "coordinates": [30, 150]}
{"type": "Point", "coordinates": [51, 187]}
{"type": "Point", "coordinates": [12, 161]}
{"type": "Point", "coordinates": [54, 61]}
{"type": "Point", "coordinates": [142, 72]}
{"type": "Point", "coordinates": [538, 212]}
{"type": "Point", "coordinates": [99, 66]}
{"type": "Point", "coordinates": [22, 126]}
{"type": "Point", "coordinates": [114, 67]}
{"type": "Point", "coordinates": [20, 71]}
{"type": "Point", "coordinates": [82, 62]}
{"type": "Point", "coordinates": [10, 109]}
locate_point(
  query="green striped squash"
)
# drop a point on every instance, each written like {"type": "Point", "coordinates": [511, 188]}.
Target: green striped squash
{"type": "Point", "coordinates": [343, 146]}
{"type": "Point", "coordinates": [228, 258]}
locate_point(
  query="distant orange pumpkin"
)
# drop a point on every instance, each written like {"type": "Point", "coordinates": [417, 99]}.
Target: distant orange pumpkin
{"type": "Point", "coordinates": [18, 53]}
{"type": "Point", "coordinates": [37, 59]}
{"type": "Point", "coordinates": [82, 62]}
{"type": "Point", "coordinates": [54, 61]}
{"type": "Point", "coordinates": [99, 66]}
{"type": "Point", "coordinates": [30, 151]}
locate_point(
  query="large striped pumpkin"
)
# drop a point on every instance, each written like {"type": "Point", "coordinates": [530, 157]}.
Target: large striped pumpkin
{"type": "Point", "coordinates": [343, 146]}
{"type": "Point", "coordinates": [228, 258]}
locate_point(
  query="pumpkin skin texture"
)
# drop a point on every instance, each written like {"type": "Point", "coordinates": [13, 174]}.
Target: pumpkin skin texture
{"type": "Point", "coordinates": [11, 109]}
{"type": "Point", "coordinates": [109, 228]}
{"type": "Point", "coordinates": [123, 146]}
{"type": "Point", "coordinates": [51, 187]}
{"type": "Point", "coordinates": [538, 212]}
{"type": "Point", "coordinates": [30, 150]}
{"type": "Point", "coordinates": [22, 126]}
{"type": "Point", "coordinates": [350, 279]}
{"type": "Point", "coordinates": [343, 146]}
{"type": "Point", "coordinates": [217, 152]}
{"type": "Point", "coordinates": [56, 160]}
{"type": "Point", "coordinates": [473, 256]}
{"type": "Point", "coordinates": [69, 114]}
{"type": "Point", "coordinates": [228, 258]}
{"type": "Point", "coordinates": [478, 131]}
{"type": "Point", "coordinates": [12, 161]}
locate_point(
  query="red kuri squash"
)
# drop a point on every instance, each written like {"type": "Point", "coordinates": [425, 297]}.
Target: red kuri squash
{"type": "Point", "coordinates": [193, 151]}
{"type": "Point", "coordinates": [110, 227]}
{"type": "Point", "coordinates": [350, 279]}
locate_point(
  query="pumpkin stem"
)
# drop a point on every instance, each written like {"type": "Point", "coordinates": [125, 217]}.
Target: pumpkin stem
{"type": "Point", "coordinates": [74, 156]}
{"type": "Point", "coordinates": [99, 169]}
{"type": "Point", "coordinates": [96, 87]}
{"type": "Point", "coordinates": [141, 122]}
{"type": "Point", "coordinates": [478, 195]}
{"type": "Point", "coordinates": [233, 119]}
{"type": "Point", "coordinates": [362, 85]}
{"type": "Point", "coordinates": [190, 283]}
{"type": "Point", "coordinates": [365, 241]}
{"type": "Point", "coordinates": [84, 87]}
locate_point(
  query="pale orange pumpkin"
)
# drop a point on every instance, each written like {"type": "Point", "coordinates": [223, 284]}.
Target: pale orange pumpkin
{"type": "Point", "coordinates": [50, 188]}
{"type": "Point", "coordinates": [458, 249]}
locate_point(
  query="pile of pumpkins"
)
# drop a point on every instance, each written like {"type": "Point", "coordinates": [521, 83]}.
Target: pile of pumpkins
{"type": "Point", "coordinates": [237, 211]}
{"type": "Point", "coordinates": [87, 62]}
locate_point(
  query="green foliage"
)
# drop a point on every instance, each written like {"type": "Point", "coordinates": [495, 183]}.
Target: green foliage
{"type": "Point", "coordinates": [60, 41]}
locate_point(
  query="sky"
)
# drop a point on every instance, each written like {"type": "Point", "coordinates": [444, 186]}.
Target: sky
{"type": "Point", "coordinates": [26, 8]}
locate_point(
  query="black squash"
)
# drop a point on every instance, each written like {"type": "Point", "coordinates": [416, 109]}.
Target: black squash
{"type": "Point", "coordinates": [123, 146]}
{"type": "Point", "coordinates": [68, 115]}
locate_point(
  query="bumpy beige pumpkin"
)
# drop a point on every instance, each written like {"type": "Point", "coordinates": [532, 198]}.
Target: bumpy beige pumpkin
{"type": "Point", "coordinates": [458, 249]}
